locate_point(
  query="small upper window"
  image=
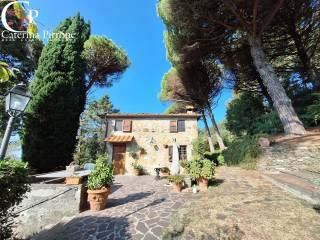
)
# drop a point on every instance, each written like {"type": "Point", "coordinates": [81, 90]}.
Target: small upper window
{"type": "Point", "coordinates": [118, 126]}
{"type": "Point", "coordinates": [181, 125]}
{"type": "Point", "coordinates": [173, 126]}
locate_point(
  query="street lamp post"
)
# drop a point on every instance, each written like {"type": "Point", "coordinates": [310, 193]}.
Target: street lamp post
{"type": "Point", "coordinates": [17, 100]}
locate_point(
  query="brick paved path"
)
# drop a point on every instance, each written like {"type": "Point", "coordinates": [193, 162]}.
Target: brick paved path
{"type": "Point", "coordinates": [138, 208]}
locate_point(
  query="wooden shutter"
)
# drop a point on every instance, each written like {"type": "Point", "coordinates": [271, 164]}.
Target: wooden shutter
{"type": "Point", "coordinates": [127, 125]}
{"type": "Point", "coordinates": [173, 126]}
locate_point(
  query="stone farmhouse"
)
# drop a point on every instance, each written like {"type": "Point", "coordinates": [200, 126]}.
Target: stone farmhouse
{"type": "Point", "coordinates": [147, 139]}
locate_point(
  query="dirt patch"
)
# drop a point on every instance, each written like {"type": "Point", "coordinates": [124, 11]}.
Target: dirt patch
{"type": "Point", "coordinates": [313, 138]}
{"type": "Point", "coordinates": [247, 207]}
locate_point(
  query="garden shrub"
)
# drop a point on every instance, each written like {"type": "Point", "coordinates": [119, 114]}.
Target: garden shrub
{"type": "Point", "coordinates": [207, 170]}
{"type": "Point", "coordinates": [101, 176]}
{"type": "Point", "coordinates": [243, 151]}
{"type": "Point", "coordinates": [243, 111]}
{"type": "Point", "coordinates": [13, 184]}
{"type": "Point", "coordinates": [198, 168]}
{"type": "Point", "coordinates": [220, 160]}
{"type": "Point", "coordinates": [313, 111]}
{"type": "Point", "coordinates": [216, 157]}
{"type": "Point", "coordinates": [200, 145]}
{"type": "Point", "coordinates": [193, 168]}
{"type": "Point", "coordinates": [212, 156]}
{"type": "Point", "coordinates": [268, 123]}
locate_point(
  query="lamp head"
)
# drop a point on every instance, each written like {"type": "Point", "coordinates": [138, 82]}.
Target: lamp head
{"type": "Point", "coordinates": [17, 100]}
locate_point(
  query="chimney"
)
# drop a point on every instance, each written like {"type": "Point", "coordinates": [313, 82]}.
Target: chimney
{"type": "Point", "coordinates": [190, 109]}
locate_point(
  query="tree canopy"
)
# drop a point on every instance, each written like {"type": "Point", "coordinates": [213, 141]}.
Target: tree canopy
{"type": "Point", "coordinates": [105, 61]}
{"type": "Point", "coordinates": [92, 131]}
{"type": "Point", "coordinates": [199, 28]}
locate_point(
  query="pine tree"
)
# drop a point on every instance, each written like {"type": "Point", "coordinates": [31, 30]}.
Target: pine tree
{"type": "Point", "coordinates": [59, 94]}
{"type": "Point", "coordinates": [204, 27]}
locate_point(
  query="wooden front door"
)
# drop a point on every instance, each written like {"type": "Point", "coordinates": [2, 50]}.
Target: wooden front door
{"type": "Point", "coordinates": [119, 159]}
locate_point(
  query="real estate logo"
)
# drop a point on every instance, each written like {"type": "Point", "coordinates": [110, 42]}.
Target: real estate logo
{"type": "Point", "coordinates": [28, 19]}
{"type": "Point", "coordinates": [18, 19]}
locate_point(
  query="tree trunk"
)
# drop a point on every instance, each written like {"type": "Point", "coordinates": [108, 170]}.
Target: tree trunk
{"type": "Point", "coordinates": [216, 129]}
{"type": "Point", "coordinates": [264, 91]}
{"type": "Point", "coordinates": [309, 69]}
{"type": "Point", "coordinates": [211, 146]}
{"type": "Point", "coordinates": [281, 102]}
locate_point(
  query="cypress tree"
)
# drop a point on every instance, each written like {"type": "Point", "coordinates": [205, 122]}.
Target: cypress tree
{"type": "Point", "coordinates": [59, 94]}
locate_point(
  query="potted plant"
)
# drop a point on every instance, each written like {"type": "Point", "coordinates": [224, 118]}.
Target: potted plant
{"type": "Point", "coordinates": [183, 166]}
{"type": "Point", "coordinates": [99, 184]}
{"type": "Point", "coordinates": [137, 168]}
{"type": "Point", "coordinates": [142, 151]}
{"type": "Point", "coordinates": [193, 168]}
{"type": "Point", "coordinates": [177, 182]}
{"type": "Point", "coordinates": [165, 172]}
{"type": "Point", "coordinates": [207, 173]}
{"type": "Point", "coordinates": [201, 170]}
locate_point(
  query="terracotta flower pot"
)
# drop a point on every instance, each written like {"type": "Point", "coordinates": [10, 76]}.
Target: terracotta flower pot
{"type": "Point", "coordinates": [176, 187]}
{"type": "Point", "coordinates": [98, 199]}
{"type": "Point", "coordinates": [164, 174]}
{"type": "Point", "coordinates": [203, 183]}
{"type": "Point", "coordinates": [137, 172]}
{"type": "Point", "coordinates": [73, 180]}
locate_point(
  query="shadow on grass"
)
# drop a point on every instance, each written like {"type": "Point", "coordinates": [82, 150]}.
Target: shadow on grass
{"type": "Point", "coordinates": [215, 182]}
{"type": "Point", "coordinates": [317, 208]}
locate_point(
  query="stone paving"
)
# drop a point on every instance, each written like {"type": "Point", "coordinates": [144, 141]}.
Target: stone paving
{"type": "Point", "coordinates": [138, 208]}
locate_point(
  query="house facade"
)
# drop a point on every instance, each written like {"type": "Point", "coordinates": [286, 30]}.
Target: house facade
{"type": "Point", "coordinates": [147, 139]}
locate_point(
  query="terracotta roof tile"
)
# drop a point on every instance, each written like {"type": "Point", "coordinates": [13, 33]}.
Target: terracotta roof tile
{"type": "Point", "coordinates": [119, 139]}
{"type": "Point", "coordinates": [146, 115]}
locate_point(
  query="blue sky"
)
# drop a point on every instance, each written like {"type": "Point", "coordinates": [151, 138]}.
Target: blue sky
{"type": "Point", "coordinates": [135, 26]}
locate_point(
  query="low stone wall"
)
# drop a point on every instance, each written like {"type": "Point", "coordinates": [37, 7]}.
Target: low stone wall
{"type": "Point", "coordinates": [47, 204]}
{"type": "Point", "coordinates": [286, 157]}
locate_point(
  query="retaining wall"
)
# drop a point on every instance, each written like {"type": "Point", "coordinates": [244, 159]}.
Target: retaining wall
{"type": "Point", "coordinates": [48, 204]}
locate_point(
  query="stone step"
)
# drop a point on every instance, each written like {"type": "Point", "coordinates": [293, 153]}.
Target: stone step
{"type": "Point", "coordinates": [307, 175]}
{"type": "Point", "coordinates": [299, 184]}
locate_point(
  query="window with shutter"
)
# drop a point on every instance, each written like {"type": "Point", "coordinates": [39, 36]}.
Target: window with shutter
{"type": "Point", "coordinates": [127, 125]}
{"type": "Point", "coordinates": [118, 125]}
{"type": "Point", "coordinates": [181, 125]}
{"type": "Point", "coordinates": [173, 126]}
{"type": "Point", "coordinates": [170, 153]}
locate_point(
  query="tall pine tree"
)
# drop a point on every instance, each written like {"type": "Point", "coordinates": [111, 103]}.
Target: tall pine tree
{"type": "Point", "coordinates": [59, 94]}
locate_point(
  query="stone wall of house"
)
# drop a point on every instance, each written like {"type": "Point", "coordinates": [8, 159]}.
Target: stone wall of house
{"type": "Point", "coordinates": [46, 205]}
{"type": "Point", "coordinates": [285, 157]}
{"type": "Point", "coordinates": [153, 137]}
